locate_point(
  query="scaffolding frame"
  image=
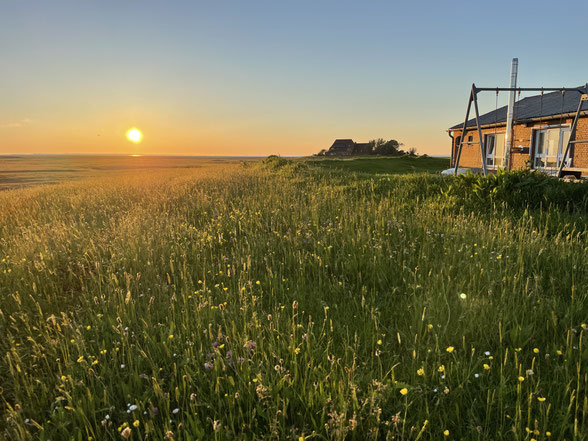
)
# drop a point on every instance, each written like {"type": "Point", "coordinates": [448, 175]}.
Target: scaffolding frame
{"type": "Point", "coordinates": [473, 98]}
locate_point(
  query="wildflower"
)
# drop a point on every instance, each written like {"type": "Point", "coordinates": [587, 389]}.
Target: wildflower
{"type": "Point", "coordinates": [521, 379]}
{"type": "Point", "coordinates": [297, 351]}
{"type": "Point", "coordinates": [379, 342]}
{"type": "Point", "coordinates": [88, 328]}
{"type": "Point", "coordinates": [176, 411]}
{"type": "Point", "coordinates": [446, 390]}
{"type": "Point", "coordinates": [441, 368]}
{"type": "Point", "coordinates": [122, 366]}
{"type": "Point", "coordinates": [403, 391]}
{"type": "Point", "coordinates": [541, 399]}
{"type": "Point", "coordinates": [421, 372]}
{"type": "Point", "coordinates": [294, 304]}
{"type": "Point", "coordinates": [547, 433]}
{"type": "Point", "coordinates": [463, 296]}
{"type": "Point", "coordinates": [430, 326]}
{"type": "Point", "coordinates": [63, 378]}
{"type": "Point", "coordinates": [250, 344]}
{"type": "Point", "coordinates": [208, 366]}
{"type": "Point", "coordinates": [103, 352]}
{"type": "Point", "coordinates": [476, 375]}
{"type": "Point", "coordinates": [487, 353]}
{"type": "Point", "coordinates": [536, 350]}
{"type": "Point", "coordinates": [450, 349]}
{"type": "Point", "coordinates": [136, 423]}
{"type": "Point", "coordinates": [446, 432]}
{"type": "Point", "coordinates": [95, 362]}
{"type": "Point", "coordinates": [216, 425]}
{"type": "Point", "coordinates": [530, 372]}
{"type": "Point", "coordinates": [559, 352]}
{"type": "Point", "coordinates": [126, 433]}
{"type": "Point", "coordinates": [80, 358]}
{"type": "Point", "coordinates": [133, 407]}
{"type": "Point", "coordinates": [170, 336]}
{"type": "Point", "coordinates": [486, 367]}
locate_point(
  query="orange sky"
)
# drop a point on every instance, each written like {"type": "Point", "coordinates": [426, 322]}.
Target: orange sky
{"type": "Point", "coordinates": [264, 77]}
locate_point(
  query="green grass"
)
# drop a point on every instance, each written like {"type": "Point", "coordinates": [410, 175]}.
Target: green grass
{"type": "Point", "coordinates": [386, 165]}
{"type": "Point", "coordinates": [285, 301]}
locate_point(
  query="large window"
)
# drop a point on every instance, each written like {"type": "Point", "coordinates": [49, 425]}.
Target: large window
{"type": "Point", "coordinates": [494, 145]}
{"type": "Point", "coordinates": [549, 147]}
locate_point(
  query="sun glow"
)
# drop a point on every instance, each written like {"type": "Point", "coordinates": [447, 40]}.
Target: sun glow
{"type": "Point", "coordinates": [134, 135]}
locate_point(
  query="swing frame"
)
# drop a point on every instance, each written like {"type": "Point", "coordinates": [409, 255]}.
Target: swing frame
{"type": "Point", "coordinates": [473, 98]}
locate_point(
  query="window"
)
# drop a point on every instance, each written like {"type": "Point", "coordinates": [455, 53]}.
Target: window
{"type": "Point", "coordinates": [549, 147]}
{"type": "Point", "coordinates": [494, 146]}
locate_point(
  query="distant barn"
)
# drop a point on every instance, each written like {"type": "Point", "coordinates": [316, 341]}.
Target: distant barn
{"type": "Point", "coordinates": [347, 147]}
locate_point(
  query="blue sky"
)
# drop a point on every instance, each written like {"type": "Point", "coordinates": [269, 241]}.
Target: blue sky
{"type": "Point", "coordinates": [263, 77]}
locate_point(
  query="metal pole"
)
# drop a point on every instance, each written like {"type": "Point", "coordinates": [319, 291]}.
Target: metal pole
{"type": "Point", "coordinates": [572, 134]}
{"type": "Point", "coordinates": [510, 115]}
{"type": "Point", "coordinates": [464, 130]}
{"type": "Point", "coordinates": [482, 149]}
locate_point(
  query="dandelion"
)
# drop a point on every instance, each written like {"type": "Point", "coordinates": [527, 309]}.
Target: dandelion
{"type": "Point", "coordinates": [421, 372]}
{"type": "Point", "coordinates": [446, 432]}
{"type": "Point", "coordinates": [403, 391]}
{"type": "Point", "coordinates": [486, 367]}
{"type": "Point", "coordinates": [450, 349]}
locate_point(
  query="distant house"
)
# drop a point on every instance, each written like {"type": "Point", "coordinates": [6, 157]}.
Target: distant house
{"type": "Point", "coordinates": [541, 131]}
{"type": "Point", "coordinates": [347, 147]}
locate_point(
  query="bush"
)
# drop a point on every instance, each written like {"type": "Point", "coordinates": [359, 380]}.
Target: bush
{"type": "Point", "coordinates": [520, 189]}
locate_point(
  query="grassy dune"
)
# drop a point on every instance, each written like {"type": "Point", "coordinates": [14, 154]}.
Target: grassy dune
{"type": "Point", "coordinates": [287, 302]}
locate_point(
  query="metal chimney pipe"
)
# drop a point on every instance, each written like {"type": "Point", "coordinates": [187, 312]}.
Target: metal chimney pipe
{"type": "Point", "coordinates": [514, 69]}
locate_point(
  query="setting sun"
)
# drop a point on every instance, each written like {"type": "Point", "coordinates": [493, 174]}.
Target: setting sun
{"type": "Point", "coordinates": [134, 135]}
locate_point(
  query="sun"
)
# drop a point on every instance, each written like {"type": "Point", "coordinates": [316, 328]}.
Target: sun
{"type": "Point", "coordinates": [134, 135]}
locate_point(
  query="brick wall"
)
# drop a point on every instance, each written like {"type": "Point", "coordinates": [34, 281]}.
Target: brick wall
{"type": "Point", "coordinates": [522, 145]}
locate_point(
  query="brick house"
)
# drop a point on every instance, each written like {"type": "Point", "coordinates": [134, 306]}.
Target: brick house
{"type": "Point", "coordinates": [541, 130]}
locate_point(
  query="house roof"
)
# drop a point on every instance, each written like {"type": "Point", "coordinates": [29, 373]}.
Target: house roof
{"type": "Point", "coordinates": [342, 144]}
{"type": "Point", "coordinates": [530, 107]}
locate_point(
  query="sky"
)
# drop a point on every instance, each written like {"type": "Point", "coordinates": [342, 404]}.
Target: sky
{"type": "Point", "coordinates": [256, 77]}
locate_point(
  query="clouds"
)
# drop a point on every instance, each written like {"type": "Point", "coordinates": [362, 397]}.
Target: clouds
{"type": "Point", "coordinates": [15, 124]}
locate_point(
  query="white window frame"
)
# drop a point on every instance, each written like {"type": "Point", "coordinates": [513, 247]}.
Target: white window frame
{"type": "Point", "coordinates": [540, 160]}
{"type": "Point", "coordinates": [491, 158]}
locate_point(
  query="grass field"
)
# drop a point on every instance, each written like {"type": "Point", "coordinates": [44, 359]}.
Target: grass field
{"type": "Point", "coordinates": [288, 301]}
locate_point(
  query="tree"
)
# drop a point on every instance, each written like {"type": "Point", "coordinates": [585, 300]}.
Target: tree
{"type": "Point", "coordinates": [387, 147]}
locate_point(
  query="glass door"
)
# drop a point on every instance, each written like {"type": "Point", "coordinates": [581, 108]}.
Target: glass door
{"type": "Point", "coordinates": [550, 145]}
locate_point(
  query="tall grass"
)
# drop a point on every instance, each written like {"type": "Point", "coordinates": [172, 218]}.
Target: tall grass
{"type": "Point", "coordinates": [281, 302]}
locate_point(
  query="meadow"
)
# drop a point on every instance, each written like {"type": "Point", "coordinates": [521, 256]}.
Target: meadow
{"type": "Point", "coordinates": [289, 300]}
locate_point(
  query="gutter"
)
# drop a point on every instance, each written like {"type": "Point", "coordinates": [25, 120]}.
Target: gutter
{"type": "Point", "coordinates": [452, 145]}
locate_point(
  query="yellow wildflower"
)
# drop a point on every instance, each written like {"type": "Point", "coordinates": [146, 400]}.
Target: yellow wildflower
{"type": "Point", "coordinates": [450, 349]}
{"type": "Point", "coordinates": [536, 350]}
{"type": "Point", "coordinates": [170, 336]}
{"type": "Point", "coordinates": [421, 372]}
{"type": "Point", "coordinates": [521, 379]}
{"type": "Point", "coordinates": [441, 368]}
{"type": "Point", "coordinates": [379, 342]}
{"type": "Point", "coordinates": [80, 358]}
{"type": "Point", "coordinates": [403, 391]}
{"type": "Point", "coordinates": [541, 399]}
{"type": "Point", "coordinates": [446, 432]}
{"type": "Point", "coordinates": [136, 423]}
{"type": "Point", "coordinates": [486, 367]}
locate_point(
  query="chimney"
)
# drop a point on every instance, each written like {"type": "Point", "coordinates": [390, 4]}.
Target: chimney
{"type": "Point", "coordinates": [514, 68]}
